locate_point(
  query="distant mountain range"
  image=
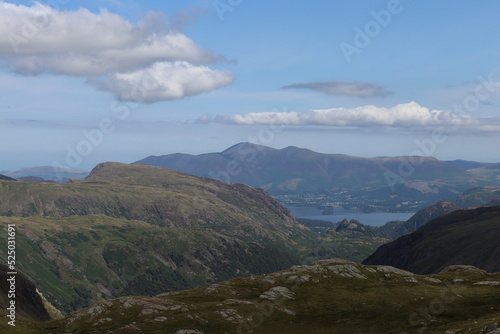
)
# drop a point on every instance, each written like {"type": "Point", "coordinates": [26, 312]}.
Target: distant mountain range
{"type": "Point", "coordinates": [46, 173]}
{"type": "Point", "coordinates": [464, 237]}
{"type": "Point", "coordinates": [298, 169]}
{"type": "Point", "coordinates": [371, 183]}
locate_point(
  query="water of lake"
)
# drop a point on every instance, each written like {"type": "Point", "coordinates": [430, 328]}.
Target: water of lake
{"type": "Point", "coordinates": [372, 218]}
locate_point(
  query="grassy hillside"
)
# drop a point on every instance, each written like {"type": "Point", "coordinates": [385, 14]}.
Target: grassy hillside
{"type": "Point", "coordinates": [161, 197]}
{"type": "Point", "coordinates": [332, 296]}
{"type": "Point", "coordinates": [131, 229]}
{"type": "Point", "coordinates": [77, 261]}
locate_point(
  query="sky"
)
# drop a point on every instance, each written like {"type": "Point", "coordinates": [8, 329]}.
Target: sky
{"type": "Point", "coordinates": [82, 82]}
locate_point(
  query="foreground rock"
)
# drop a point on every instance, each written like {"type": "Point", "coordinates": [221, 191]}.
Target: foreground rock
{"type": "Point", "coordinates": [334, 295]}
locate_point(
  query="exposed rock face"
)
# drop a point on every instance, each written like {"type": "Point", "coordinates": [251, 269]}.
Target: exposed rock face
{"type": "Point", "coordinates": [276, 293]}
{"type": "Point", "coordinates": [346, 270]}
{"type": "Point", "coordinates": [348, 224]}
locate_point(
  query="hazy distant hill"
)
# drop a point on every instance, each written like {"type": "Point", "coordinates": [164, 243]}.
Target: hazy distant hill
{"type": "Point", "coordinates": [463, 237]}
{"type": "Point", "coordinates": [49, 173]}
{"type": "Point", "coordinates": [34, 179]}
{"type": "Point", "coordinates": [6, 178]}
{"type": "Point", "coordinates": [478, 196]}
{"type": "Point", "coordinates": [466, 164]}
{"type": "Point", "coordinates": [297, 169]}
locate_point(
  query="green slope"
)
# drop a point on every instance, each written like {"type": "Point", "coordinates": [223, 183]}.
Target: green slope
{"type": "Point", "coordinates": [131, 229]}
{"type": "Point", "coordinates": [161, 197]}
{"type": "Point", "coordinates": [77, 261]}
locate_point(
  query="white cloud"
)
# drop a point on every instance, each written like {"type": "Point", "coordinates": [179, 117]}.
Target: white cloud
{"type": "Point", "coordinates": [164, 81]}
{"type": "Point", "coordinates": [408, 115]}
{"type": "Point", "coordinates": [40, 39]}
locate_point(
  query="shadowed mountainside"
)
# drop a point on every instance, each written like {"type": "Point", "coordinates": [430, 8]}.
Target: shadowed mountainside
{"type": "Point", "coordinates": [28, 303]}
{"type": "Point", "coordinates": [462, 237]}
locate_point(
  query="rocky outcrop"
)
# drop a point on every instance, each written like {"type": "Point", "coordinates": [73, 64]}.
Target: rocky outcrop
{"type": "Point", "coordinates": [313, 298]}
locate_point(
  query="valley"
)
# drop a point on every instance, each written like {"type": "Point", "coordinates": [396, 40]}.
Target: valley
{"type": "Point", "coordinates": [249, 167]}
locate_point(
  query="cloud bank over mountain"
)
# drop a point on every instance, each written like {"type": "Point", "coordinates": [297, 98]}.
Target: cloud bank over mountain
{"type": "Point", "coordinates": [407, 115]}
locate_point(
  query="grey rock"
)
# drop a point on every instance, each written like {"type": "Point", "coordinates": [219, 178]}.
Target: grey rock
{"type": "Point", "coordinates": [487, 283]}
{"type": "Point", "coordinates": [276, 293]}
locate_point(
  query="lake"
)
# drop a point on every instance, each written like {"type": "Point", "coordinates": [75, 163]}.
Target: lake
{"type": "Point", "coordinates": [372, 218]}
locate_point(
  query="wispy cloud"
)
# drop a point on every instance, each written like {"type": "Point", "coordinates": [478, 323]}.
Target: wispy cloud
{"type": "Point", "coordinates": [408, 115]}
{"type": "Point", "coordinates": [358, 89]}
{"type": "Point", "coordinates": [104, 46]}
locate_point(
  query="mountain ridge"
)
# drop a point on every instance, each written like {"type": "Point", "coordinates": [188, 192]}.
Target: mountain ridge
{"type": "Point", "coordinates": [371, 183]}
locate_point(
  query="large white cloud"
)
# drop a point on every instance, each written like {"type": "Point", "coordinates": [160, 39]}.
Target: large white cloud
{"type": "Point", "coordinates": [408, 115]}
{"type": "Point", "coordinates": [40, 39]}
{"type": "Point", "coordinates": [164, 81]}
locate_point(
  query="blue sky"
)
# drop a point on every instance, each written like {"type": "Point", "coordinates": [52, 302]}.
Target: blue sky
{"type": "Point", "coordinates": [118, 80]}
